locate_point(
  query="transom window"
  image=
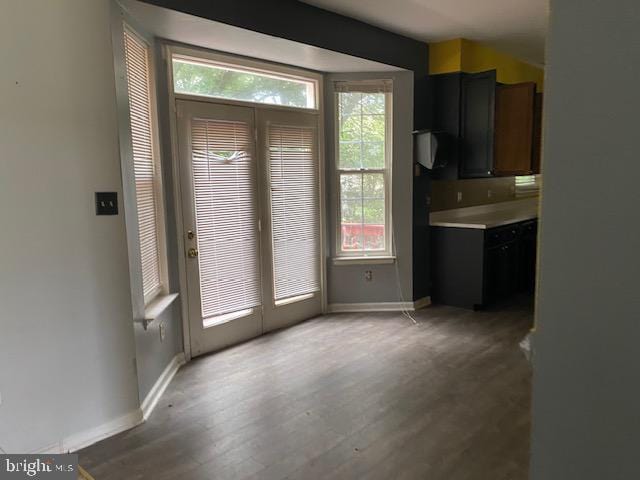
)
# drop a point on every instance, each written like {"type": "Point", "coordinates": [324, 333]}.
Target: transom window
{"type": "Point", "coordinates": [219, 80]}
{"type": "Point", "coordinates": [364, 167]}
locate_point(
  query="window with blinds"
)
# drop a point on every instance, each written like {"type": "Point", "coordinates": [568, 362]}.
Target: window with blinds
{"type": "Point", "coordinates": [295, 228]}
{"type": "Point", "coordinates": [144, 159]}
{"type": "Point", "coordinates": [364, 167]}
{"type": "Point", "coordinates": [527, 185]}
{"type": "Point", "coordinates": [224, 182]}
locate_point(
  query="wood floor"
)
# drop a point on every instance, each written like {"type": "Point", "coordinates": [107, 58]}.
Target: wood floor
{"type": "Point", "coordinates": [348, 396]}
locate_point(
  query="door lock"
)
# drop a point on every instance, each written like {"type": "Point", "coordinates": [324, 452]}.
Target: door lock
{"type": "Point", "coordinates": [190, 234]}
{"type": "Point", "coordinates": [192, 253]}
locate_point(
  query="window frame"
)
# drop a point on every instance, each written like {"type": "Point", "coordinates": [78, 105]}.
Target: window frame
{"type": "Point", "coordinates": [249, 65]}
{"type": "Point", "coordinates": [386, 255]}
{"type": "Point", "coordinates": [163, 287]}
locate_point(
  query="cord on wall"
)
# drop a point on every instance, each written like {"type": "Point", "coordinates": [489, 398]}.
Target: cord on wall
{"type": "Point", "coordinates": [405, 311]}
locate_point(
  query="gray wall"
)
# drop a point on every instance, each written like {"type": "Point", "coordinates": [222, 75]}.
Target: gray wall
{"type": "Point", "coordinates": [346, 283]}
{"type": "Point", "coordinates": [66, 337]}
{"type": "Point", "coordinates": [152, 353]}
{"type": "Point", "coordinates": [586, 405]}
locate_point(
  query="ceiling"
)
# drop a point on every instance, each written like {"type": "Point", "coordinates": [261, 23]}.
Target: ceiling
{"type": "Point", "coordinates": [516, 27]}
{"type": "Point", "coordinates": [196, 31]}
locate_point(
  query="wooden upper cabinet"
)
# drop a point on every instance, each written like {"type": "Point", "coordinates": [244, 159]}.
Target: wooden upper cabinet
{"type": "Point", "coordinates": [514, 129]}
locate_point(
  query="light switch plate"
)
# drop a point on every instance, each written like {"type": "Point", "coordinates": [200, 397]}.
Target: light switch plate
{"type": "Point", "coordinates": [106, 203]}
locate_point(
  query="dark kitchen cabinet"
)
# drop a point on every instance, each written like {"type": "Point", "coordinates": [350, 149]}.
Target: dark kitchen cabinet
{"type": "Point", "coordinates": [501, 278]}
{"type": "Point", "coordinates": [537, 134]}
{"type": "Point", "coordinates": [477, 124]}
{"type": "Point", "coordinates": [463, 108]}
{"type": "Point", "coordinates": [472, 267]}
{"type": "Point", "coordinates": [527, 249]}
{"type": "Point", "coordinates": [446, 92]}
{"type": "Point", "coordinates": [514, 129]}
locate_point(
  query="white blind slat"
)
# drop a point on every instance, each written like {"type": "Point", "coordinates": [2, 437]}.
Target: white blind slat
{"type": "Point", "coordinates": [295, 230]}
{"type": "Point", "coordinates": [226, 216]}
{"type": "Point", "coordinates": [138, 82]}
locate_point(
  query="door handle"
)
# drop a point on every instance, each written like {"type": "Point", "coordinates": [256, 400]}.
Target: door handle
{"type": "Point", "coordinates": [192, 253]}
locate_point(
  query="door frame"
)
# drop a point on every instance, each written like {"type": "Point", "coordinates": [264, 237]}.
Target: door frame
{"type": "Point", "coordinates": [167, 51]}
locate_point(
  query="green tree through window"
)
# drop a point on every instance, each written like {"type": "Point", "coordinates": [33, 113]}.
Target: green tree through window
{"type": "Point", "coordinates": [222, 82]}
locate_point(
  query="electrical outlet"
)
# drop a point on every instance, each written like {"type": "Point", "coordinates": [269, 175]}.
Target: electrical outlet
{"type": "Point", "coordinates": [459, 196]}
{"type": "Point", "coordinates": [162, 332]}
{"type": "Point", "coordinates": [368, 275]}
{"type": "Point", "coordinates": [489, 193]}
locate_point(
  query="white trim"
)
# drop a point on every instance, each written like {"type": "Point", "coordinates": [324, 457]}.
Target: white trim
{"type": "Point", "coordinates": [421, 303]}
{"type": "Point", "coordinates": [387, 171]}
{"type": "Point", "coordinates": [370, 307]}
{"type": "Point", "coordinates": [369, 260]}
{"type": "Point", "coordinates": [169, 48]}
{"type": "Point", "coordinates": [157, 307]}
{"type": "Point", "coordinates": [244, 63]}
{"type": "Point", "coordinates": [297, 298]}
{"type": "Point", "coordinates": [242, 67]}
{"type": "Point", "coordinates": [177, 202]}
{"type": "Point", "coordinates": [80, 440]}
{"type": "Point", "coordinates": [379, 306]}
{"type": "Point", "coordinates": [151, 400]}
{"type": "Point", "coordinates": [83, 439]}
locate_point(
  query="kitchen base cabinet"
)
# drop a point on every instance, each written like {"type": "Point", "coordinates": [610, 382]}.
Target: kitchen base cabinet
{"type": "Point", "coordinates": [472, 268]}
{"type": "Point", "coordinates": [501, 278]}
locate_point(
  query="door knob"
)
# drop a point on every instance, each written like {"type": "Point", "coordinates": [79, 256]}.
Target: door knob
{"type": "Point", "coordinates": [192, 253]}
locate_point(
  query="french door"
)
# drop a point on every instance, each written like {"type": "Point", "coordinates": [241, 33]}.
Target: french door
{"type": "Point", "coordinates": [250, 196]}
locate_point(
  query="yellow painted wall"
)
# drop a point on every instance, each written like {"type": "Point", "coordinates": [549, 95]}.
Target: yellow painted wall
{"type": "Point", "coordinates": [461, 55]}
{"type": "Point", "coordinates": [445, 57]}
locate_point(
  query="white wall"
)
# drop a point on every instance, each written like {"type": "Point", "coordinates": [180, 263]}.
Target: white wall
{"type": "Point", "coordinates": [586, 408]}
{"type": "Point", "coordinates": [66, 336]}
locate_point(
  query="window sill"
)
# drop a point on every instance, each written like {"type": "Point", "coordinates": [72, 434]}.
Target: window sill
{"type": "Point", "coordinates": [156, 307]}
{"type": "Point", "coordinates": [364, 260]}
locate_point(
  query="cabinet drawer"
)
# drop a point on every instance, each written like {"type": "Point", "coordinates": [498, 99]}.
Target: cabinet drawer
{"type": "Point", "coordinates": [498, 236]}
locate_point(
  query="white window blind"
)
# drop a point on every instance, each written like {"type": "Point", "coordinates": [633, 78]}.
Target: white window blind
{"type": "Point", "coordinates": [527, 185]}
{"type": "Point", "coordinates": [226, 217]}
{"type": "Point", "coordinates": [138, 81]}
{"type": "Point", "coordinates": [295, 229]}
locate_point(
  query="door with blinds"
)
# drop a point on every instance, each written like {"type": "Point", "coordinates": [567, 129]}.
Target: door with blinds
{"type": "Point", "coordinates": [251, 220]}
{"type": "Point", "coordinates": [219, 179]}
{"type": "Point", "coordinates": [290, 202]}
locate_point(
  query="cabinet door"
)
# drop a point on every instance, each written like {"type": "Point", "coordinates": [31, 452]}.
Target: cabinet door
{"type": "Point", "coordinates": [446, 112]}
{"type": "Point", "coordinates": [502, 271]}
{"type": "Point", "coordinates": [514, 129]}
{"type": "Point", "coordinates": [477, 124]}
{"type": "Point", "coordinates": [527, 251]}
{"type": "Point", "coordinates": [537, 134]}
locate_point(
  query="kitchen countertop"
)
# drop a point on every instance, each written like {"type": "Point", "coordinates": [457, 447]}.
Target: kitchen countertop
{"type": "Point", "coordinates": [487, 216]}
